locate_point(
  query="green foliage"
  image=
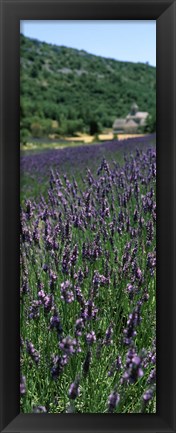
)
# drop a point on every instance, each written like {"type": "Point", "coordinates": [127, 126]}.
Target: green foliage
{"type": "Point", "coordinates": [74, 88]}
{"type": "Point", "coordinates": [94, 127]}
{"type": "Point", "coordinates": [24, 134]}
{"type": "Point", "coordinates": [115, 137]}
{"type": "Point", "coordinates": [150, 125]}
{"type": "Point", "coordinates": [96, 138]}
{"type": "Point", "coordinates": [36, 130]}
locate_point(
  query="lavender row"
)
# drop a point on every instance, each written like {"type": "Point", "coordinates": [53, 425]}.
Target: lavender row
{"type": "Point", "coordinates": [88, 276]}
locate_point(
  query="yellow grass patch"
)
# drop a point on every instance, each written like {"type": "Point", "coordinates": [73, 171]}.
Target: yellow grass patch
{"type": "Point", "coordinates": [71, 141]}
{"type": "Point", "coordinates": [88, 138]}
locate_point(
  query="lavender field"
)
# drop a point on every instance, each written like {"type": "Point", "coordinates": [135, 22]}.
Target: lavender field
{"type": "Point", "coordinates": [88, 279]}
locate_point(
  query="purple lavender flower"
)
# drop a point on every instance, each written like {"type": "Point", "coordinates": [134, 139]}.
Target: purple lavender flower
{"type": "Point", "coordinates": [79, 326]}
{"type": "Point", "coordinates": [99, 280]}
{"type": "Point", "coordinates": [34, 310]}
{"type": "Point", "coordinates": [113, 401]}
{"type": "Point", "coordinates": [53, 278]}
{"type": "Point", "coordinates": [48, 303]}
{"type": "Point", "coordinates": [74, 255]}
{"type": "Point", "coordinates": [90, 338]}
{"type": "Point", "coordinates": [58, 363]}
{"type": "Point", "coordinates": [80, 276]}
{"type": "Point", "coordinates": [151, 262]}
{"type": "Point", "coordinates": [152, 376]}
{"type": "Point", "coordinates": [29, 209]}
{"type": "Point", "coordinates": [39, 409]}
{"type": "Point", "coordinates": [133, 368]}
{"type": "Point", "coordinates": [79, 296]}
{"type": "Point", "coordinates": [132, 322]}
{"type": "Point", "coordinates": [32, 352]}
{"type": "Point", "coordinates": [36, 234]}
{"type": "Point", "coordinates": [55, 323]}
{"type": "Point", "coordinates": [89, 312]}
{"type": "Point", "coordinates": [108, 336]}
{"type": "Point", "coordinates": [138, 275]}
{"type": "Point", "coordinates": [74, 391]}
{"type": "Point", "coordinates": [66, 292]}
{"type": "Point", "coordinates": [135, 215]}
{"type": "Point", "coordinates": [66, 260]}
{"type": "Point", "coordinates": [25, 286]}
{"type": "Point", "coordinates": [22, 385]}
{"type": "Point", "coordinates": [68, 345]}
{"type": "Point", "coordinates": [45, 267]}
{"type": "Point", "coordinates": [41, 295]}
{"type": "Point", "coordinates": [147, 396]}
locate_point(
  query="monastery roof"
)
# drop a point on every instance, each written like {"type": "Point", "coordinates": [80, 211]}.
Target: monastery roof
{"type": "Point", "coordinates": [130, 122]}
{"type": "Point", "coordinates": [132, 119]}
{"type": "Point", "coordinates": [138, 115]}
{"type": "Point", "coordinates": [119, 122]}
{"type": "Point", "coordinates": [141, 114]}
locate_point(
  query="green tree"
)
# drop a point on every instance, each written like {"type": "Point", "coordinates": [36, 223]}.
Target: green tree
{"type": "Point", "coordinates": [150, 125]}
{"type": "Point", "coordinates": [36, 130]}
{"type": "Point", "coordinates": [24, 135]}
{"type": "Point", "coordinates": [94, 127]}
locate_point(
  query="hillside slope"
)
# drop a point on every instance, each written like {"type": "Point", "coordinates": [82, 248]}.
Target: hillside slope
{"type": "Point", "coordinates": [64, 90]}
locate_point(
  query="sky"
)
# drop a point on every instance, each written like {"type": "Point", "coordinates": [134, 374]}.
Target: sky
{"type": "Point", "coordinates": [132, 41]}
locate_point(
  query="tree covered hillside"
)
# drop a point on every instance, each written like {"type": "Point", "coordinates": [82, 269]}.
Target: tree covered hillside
{"type": "Point", "coordinates": [64, 90]}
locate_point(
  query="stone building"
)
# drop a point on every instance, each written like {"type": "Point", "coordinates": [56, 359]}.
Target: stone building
{"type": "Point", "coordinates": [131, 123]}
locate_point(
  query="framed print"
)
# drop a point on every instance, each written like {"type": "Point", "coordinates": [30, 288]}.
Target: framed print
{"type": "Point", "coordinates": [87, 269]}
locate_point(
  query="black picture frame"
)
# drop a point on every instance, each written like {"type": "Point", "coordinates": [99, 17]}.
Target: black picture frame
{"type": "Point", "coordinates": [164, 12]}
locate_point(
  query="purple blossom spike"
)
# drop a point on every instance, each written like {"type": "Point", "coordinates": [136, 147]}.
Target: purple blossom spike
{"type": "Point", "coordinates": [55, 323]}
{"type": "Point", "coordinates": [152, 376]}
{"type": "Point", "coordinates": [147, 396]}
{"type": "Point", "coordinates": [89, 312]}
{"type": "Point", "coordinates": [48, 303]}
{"type": "Point", "coordinates": [58, 363]}
{"type": "Point", "coordinates": [53, 278]}
{"type": "Point", "coordinates": [91, 338]}
{"type": "Point", "coordinates": [22, 385]}
{"type": "Point", "coordinates": [32, 352]}
{"type": "Point", "coordinates": [41, 295]}
{"type": "Point", "coordinates": [113, 401]}
{"type": "Point", "coordinates": [108, 336]}
{"type": "Point", "coordinates": [68, 345]}
{"type": "Point", "coordinates": [66, 292]}
{"type": "Point", "coordinates": [74, 391]}
{"type": "Point", "coordinates": [79, 296]}
{"type": "Point", "coordinates": [133, 369]}
{"type": "Point", "coordinates": [79, 326]}
{"type": "Point", "coordinates": [39, 409]}
{"type": "Point", "coordinates": [34, 310]}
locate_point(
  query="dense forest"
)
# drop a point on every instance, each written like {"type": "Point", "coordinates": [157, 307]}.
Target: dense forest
{"type": "Point", "coordinates": [64, 90]}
